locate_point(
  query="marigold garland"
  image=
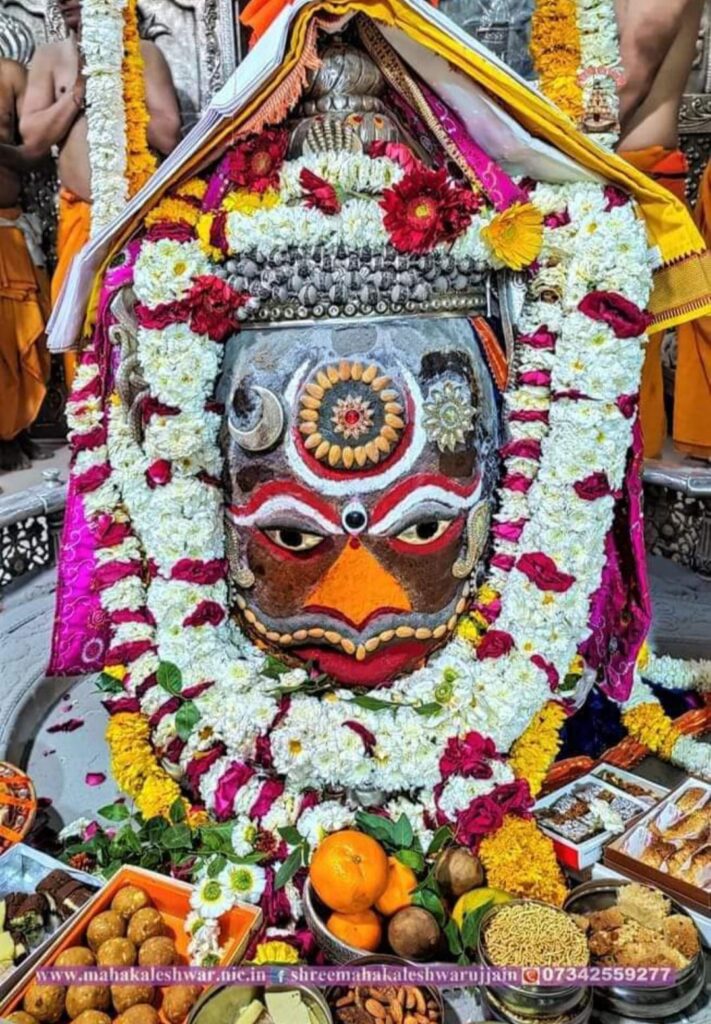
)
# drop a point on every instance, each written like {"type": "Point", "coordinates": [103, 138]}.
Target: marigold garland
{"type": "Point", "coordinates": [174, 210]}
{"type": "Point", "coordinates": [649, 724]}
{"type": "Point", "coordinates": [140, 163]}
{"type": "Point", "coordinates": [520, 860]}
{"type": "Point", "coordinates": [534, 753]}
{"type": "Point", "coordinates": [134, 766]}
{"type": "Point", "coordinates": [555, 49]}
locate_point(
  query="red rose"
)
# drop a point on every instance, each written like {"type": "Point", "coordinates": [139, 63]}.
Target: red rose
{"type": "Point", "coordinates": [207, 613]}
{"type": "Point", "coordinates": [177, 231]}
{"type": "Point", "coordinates": [320, 194]}
{"type": "Point", "coordinates": [468, 757]}
{"type": "Point", "coordinates": [426, 208]}
{"type": "Point", "coordinates": [543, 571]}
{"type": "Point", "coordinates": [592, 487]}
{"type": "Point", "coordinates": [525, 448]}
{"type": "Point", "coordinates": [213, 306]}
{"type": "Point", "coordinates": [92, 439]}
{"type": "Point", "coordinates": [152, 407]}
{"type": "Point", "coordinates": [109, 533]}
{"type": "Point", "coordinates": [627, 404]}
{"type": "Point", "coordinates": [218, 231]}
{"type": "Point", "coordinates": [514, 797]}
{"type": "Point", "coordinates": [557, 220]}
{"type": "Point", "coordinates": [542, 338]}
{"type": "Point", "coordinates": [255, 163]}
{"type": "Point", "coordinates": [161, 317]}
{"type": "Point", "coordinates": [615, 197]}
{"type": "Point", "coordinates": [482, 817]}
{"type": "Point", "coordinates": [625, 318]}
{"type": "Point", "coordinates": [191, 570]}
{"type": "Point", "coordinates": [92, 478]}
{"type": "Point", "coordinates": [159, 473]}
{"type": "Point", "coordinates": [494, 644]}
{"type": "Point", "coordinates": [550, 670]}
{"type": "Point", "coordinates": [366, 735]}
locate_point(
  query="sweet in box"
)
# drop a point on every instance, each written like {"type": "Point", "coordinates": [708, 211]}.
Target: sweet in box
{"type": "Point", "coordinates": [171, 899]}
{"type": "Point", "coordinates": [670, 847]}
{"type": "Point", "coordinates": [579, 817]}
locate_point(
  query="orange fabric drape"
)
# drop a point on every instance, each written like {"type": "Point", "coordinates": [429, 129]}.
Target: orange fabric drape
{"type": "Point", "coordinates": [692, 401]}
{"type": "Point", "coordinates": [24, 310]}
{"type": "Point", "coordinates": [671, 169]}
{"type": "Point", "coordinates": [72, 234]}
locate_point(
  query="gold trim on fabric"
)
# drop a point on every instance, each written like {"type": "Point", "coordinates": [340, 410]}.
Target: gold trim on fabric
{"type": "Point", "coordinates": [681, 292]}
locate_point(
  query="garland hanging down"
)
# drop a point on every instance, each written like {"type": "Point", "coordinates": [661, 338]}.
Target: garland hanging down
{"type": "Point", "coordinates": [141, 162]}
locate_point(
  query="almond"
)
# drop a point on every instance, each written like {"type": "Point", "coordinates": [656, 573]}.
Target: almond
{"type": "Point", "coordinates": [375, 1009]}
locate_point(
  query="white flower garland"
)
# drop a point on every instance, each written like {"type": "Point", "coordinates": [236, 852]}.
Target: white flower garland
{"type": "Point", "coordinates": [688, 753]}
{"type": "Point", "coordinates": [674, 674]}
{"type": "Point", "coordinates": [102, 48]}
{"type": "Point", "coordinates": [600, 59]}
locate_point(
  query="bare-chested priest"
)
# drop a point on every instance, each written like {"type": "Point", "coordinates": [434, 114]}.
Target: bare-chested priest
{"type": "Point", "coordinates": [24, 291]}
{"type": "Point", "coordinates": [53, 115]}
{"type": "Point", "coordinates": [658, 41]}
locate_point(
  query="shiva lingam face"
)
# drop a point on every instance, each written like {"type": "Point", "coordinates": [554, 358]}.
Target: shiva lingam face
{"type": "Point", "coordinates": [361, 461]}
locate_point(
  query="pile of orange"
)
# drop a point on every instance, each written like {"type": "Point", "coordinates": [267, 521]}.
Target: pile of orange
{"type": "Point", "coordinates": [353, 875]}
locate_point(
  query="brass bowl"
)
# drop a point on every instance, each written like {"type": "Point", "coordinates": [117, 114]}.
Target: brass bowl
{"type": "Point", "coordinates": [655, 1001]}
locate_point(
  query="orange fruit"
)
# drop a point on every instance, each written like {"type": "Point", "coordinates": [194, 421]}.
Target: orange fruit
{"type": "Point", "coordinates": [401, 883]}
{"type": "Point", "coordinates": [349, 871]}
{"type": "Point", "coordinates": [362, 930]}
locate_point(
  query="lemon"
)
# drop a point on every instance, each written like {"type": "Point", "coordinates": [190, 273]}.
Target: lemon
{"type": "Point", "coordinates": [471, 901]}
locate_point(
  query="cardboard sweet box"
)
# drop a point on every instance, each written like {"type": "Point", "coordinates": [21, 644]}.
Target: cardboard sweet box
{"type": "Point", "coordinates": [670, 846]}
{"type": "Point", "coordinates": [583, 816]}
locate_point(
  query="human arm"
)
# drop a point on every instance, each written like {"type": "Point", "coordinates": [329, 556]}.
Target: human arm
{"type": "Point", "coordinates": [161, 101]}
{"type": "Point", "coordinates": [45, 122]}
{"type": "Point", "coordinates": [16, 156]}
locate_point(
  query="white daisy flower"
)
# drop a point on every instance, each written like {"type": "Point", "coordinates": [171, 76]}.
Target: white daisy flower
{"type": "Point", "coordinates": [244, 882]}
{"type": "Point", "coordinates": [211, 897]}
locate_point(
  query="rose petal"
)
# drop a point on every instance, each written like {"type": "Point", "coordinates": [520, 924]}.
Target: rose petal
{"type": "Point", "coordinates": [94, 778]}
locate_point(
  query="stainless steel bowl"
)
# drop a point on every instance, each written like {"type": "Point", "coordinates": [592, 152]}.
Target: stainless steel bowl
{"type": "Point", "coordinates": [222, 1001]}
{"type": "Point", "coordinates": [316, 914]}
{"type": "Point", "coordinates": [494, 1007]}
{"type": "Point", "coordinates": [528, 1001]}
{"type": "Point", "coordinates": [642, 1003]}
{"type": "Point", "coordinates": [375, 959]}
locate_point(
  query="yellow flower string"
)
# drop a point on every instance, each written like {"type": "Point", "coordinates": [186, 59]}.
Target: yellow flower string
{"type": "Point", "coordinates": [140, 162]}
{"type": "Point", "coordinates": [519, 859]}
{"type": "Point", "coordinates": [555, 49]}
{"type": "Point", "coordinates": [650, 725]}
{"type": "Point", "coordinates": [275, 952]}
{"type": "Point", "coordinates": [134, 766]}
{"type": "Point", "coordinates": [174, 210]}
{"type": "Point", "coordinates": [535, 750]}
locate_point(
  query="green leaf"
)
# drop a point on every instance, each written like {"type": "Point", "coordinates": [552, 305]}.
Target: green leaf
{"type": "Point", "coordinates": [377, 827]}
{"type": "Point", "coordinates": [186, 719]}
{"type": "Point", "coordinates": [429, 900]}
{"type": "Point", "coordinates": [109, 684]}
{"type": "Point", "coordinates": [151, 859]}
{"type": "Point", "coordinates": [569, 683]}
{"type": "Point", "coordinates": [177, 811]}
{"type": "Point", "coordinates": [440, 839]}
{"type": "Point", "coordinates": [454, 939]}
{"type": "Point", "coordinates": [154, 829]}
{"type": "Point", "coordinates": [291, 835]}
{"type": "Point", "coordinates": [114, 812]}
{"type": "Point", "coordinates": [472, 924]}
{"type": "Point", "coordinates": [289, 868]}
{"type": "Point", "coordinates": [402, 832]}
{"type": "Point", "coordinates": [372, 703]}
{"type": "Point", "coordinates": [177, 837]}
{"type": "Point", "coordinates": [411, 859]}
{"type": "Point", "coordinates": [216, 838]}
{"type": "Point", "coordinates": [169, 677]}
{"type": "Point", "coordinates": [216, 865]}
{"type": "Point", "coordinates": [427, 710]}
{"type": "Point", "coordinates": [273, 667]}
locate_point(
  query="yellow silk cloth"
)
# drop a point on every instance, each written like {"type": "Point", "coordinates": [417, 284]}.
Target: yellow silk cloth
{"type": "Point", "coordinates": [24, 310]}
{"type": "Point", "coordinates": [692, 398]}
{"type": "Point", "coordinates": [682, 283]}
{"type": "Point", "coordinates": [72, 235]}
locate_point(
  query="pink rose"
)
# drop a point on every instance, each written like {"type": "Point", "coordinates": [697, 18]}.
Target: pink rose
{"type": "Point", "coordinates": [207, 613]}
{"type": "Point", "coordinates": [122, 654]}
{"type": "Point", "coordinates": [525, 448]}
{"type": "Point", "coordinates": [543, 572]}
{"type": "Point", "coordinates": [557, 220]}
{"type": "Point", "coordinates": [514, 797]}
{"type": "Point", "coordinates": [535, 378]}
{"type": "Point", "coordinates": [160, 317]}
{"type": "Point", "coordinates": [627, 404]}
{"type": "Point", "coordinates": [152, 407]}
{"type": "Point", "coordinates": [505, 562]}
{"type": "Point", "coordinates": [231, 781]}
{"type": "Point", "coordinates": [625, 318]}
{"type": "Point", "coordinates": [529, 416]}
{"type": "Point", "coordinates": [517, 482]}
{"type": "Point", "coordinates": [177, 231]}
{"type": "Point", "coordinates": [615, 197]}
{"type": "Point", "coordinates": [482, 817]}
{"type": "Point", "coordinates": [494, 644]}
{"type": "Point", "coordinates": [366, 735]}
{"type": "Point", "coordinates": [592, 487]}
{"type": "Point", "coordinates": [268, 794]}
{"type": "Point", "coordinates": [92, 439]}
{"type": "Point", "coordinates": [550, 670]}
{"type": "Point", "coordinates": [541, 339]}
{"type": "Point", "coordinates": [111, 572]}
{"type": "Point", "coordinates": [509, 531]}
{"type": "Point", "coordinates": [92, 478]}
{"type": "Point", "coordinates": [191, 570]}
{"type": "Point", "coordinates": [159, 473]}
{"type": "Point", "coordinates": [201, 762]}
{"type": "Point", "coordinates": [109, 533]}
{"type": "Point", "coordinates": [468, 757]}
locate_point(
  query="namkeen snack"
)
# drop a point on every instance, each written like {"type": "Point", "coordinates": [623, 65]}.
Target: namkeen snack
{"type": "Point", "coordinates": [521, 934]}
{"type": "Point", "coordinates": [640, 930]}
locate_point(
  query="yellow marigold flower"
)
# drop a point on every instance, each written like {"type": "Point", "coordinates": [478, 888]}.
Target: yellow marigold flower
{"type": "Point", "coordinates": [467, 630]}
{"type": "Point", "coordinates": [204, 228]}
{"type": "Point", "coordinates": [576, 666]}
{"type": "Point", "coordinates": [115, 399]}
{"type": "Point", "coordinates": [275, 953]}
{"type": "Point", "coordinates": [486, 594]}
{"type": "Point", "coordinates": [535, 750]}
{"type": "Point", "coordinates": [643, 657]}
{"type": "Point", "coordinates": [115, 671]}
{"type": "Point", "coordinates": [173, 209]}
{"type": "Point", "coordinates": [248, 203]}
{"type": "Point", "coordinates": [140, 161]}
{"type": "Point", "coordinates": [158, 795]}
{"type": "Point", "coordinates": [520, 860]}
{"type": "Point", "coordinates": [516, 235]}
{"type": "Point", "coordinates": [194, 187]}
{"type": "Point", "coordinates": [649, 724]}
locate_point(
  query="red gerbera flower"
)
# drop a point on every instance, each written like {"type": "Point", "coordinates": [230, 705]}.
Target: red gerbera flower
{"type": "Point", "coordinates": [213, 306]}
{"type": "Point", "coordinates": [426, 208]}
{"type": "Point", "coordinates": [319, 193]}
{"type": "Point", "coordinates": [255, 164]}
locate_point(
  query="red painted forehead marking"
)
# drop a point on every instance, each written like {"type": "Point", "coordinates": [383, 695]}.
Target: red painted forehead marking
{"type": "Point", "coordinates": [414, 483]}
{"type": "Point", "coordinates": [281, 489]}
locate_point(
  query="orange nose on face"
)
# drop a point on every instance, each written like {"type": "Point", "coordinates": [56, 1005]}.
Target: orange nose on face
{"type": "Point", "coordinates": [357, 587]}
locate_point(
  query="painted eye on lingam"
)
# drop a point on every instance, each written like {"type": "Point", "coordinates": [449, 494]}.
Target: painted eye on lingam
{"type": "Point", "coordinates": [359, 491]}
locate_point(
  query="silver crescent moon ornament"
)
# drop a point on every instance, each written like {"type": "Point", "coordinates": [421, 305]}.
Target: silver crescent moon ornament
{"type": "Point", "coordinates": [268, 428]}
